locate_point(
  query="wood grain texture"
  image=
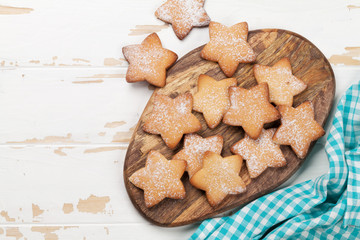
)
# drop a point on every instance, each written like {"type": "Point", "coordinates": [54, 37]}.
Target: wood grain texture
{"type": "Point", "coordinates": [8, 10]}
{"type": "Point", "coordinates": [270, 45]}
{"type": "Point", "coordinates": [104, 28]}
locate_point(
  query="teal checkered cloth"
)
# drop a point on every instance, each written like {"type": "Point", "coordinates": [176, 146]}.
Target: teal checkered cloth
{"type": "Point", "coordinates": [327, 207]}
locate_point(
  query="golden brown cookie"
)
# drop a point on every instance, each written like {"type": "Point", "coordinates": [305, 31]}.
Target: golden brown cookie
{"type": "Point", "coordinates": [183, 15]}
{"type": "Point", "coordinates": [298, 128]}
{"type": "Point", "coordinates": [219, 177]}
{"type": "Point", "coordinates": [148, 61]}
{"type": "Point", "coordinates": [283, 85]}
{"type": "Point", "coordinates": [250, 109]}
{"type": "Point", "coordinates": [228, 46]}
{"type": "Point", "coordinates": [260, 153]}
{"type": "Point", "coordinates": [212, 98]}
{"type": "Point", "coordinates": [194, 149]}
{"type": "Point", "coordinates": [171, 118]}
{"type": "Point", "coordinates": [160, 178]}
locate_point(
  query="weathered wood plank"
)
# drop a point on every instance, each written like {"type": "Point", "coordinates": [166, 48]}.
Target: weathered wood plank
{"type": "Point", "coordinates": [60, 185]}
{"type": "Point", "coordinates": [69, 34]}
{"type": "Point", "coordinates": [82, 184]}
{"type": "Point", "coordinates": [69, 106]}
{"type": "Point", "coordinates": [93, 232]}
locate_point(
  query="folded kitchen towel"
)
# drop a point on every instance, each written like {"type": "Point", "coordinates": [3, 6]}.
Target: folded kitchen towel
{"type": "Point", "coordinates": [327, 207]}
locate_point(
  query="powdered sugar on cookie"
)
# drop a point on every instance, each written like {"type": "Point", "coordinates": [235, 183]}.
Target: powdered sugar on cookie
{"type": "Point", "coordinates": [160, 178]}
{"type": "Point", "coordinates": [250, 109]}
{"type": "Point", "coordinates": [145, 57]}
{"type": "Point", "coordinates": [298, 128]}
{"type": "Point", "coordinates": [283, 86]}
{"type": "Point", "coordinates": [194, 149]}
{"type": "Point", "coordinates": [171, 118]}
{"type": "Point", "coordinates": [228, 46]}
{"type": "Point", "coordinates": [260, 153]}
{"type": "Point", "coordinates": [219, 177]}
{"type": "Point", "coordinates": [212, 98]}
{"type": "Point", "coordinates": [148, 61]}
{"type": "Point", "coordinates": [183, 15]}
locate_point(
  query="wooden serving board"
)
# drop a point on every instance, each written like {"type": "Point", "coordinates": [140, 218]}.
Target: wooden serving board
{"type": "Point", "coordinates": [270, 45]}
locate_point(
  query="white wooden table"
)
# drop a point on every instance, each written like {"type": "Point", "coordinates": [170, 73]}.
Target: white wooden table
{"type": "Point", "coordinates": [67, 114]}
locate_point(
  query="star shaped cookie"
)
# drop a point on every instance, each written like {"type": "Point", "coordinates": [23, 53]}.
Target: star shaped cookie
{"type": "Point", "coordinates": [260, 153]}
{"type": "Point", "coordinates": [148, 61]}
{"type": "Point", "coordinates": [194, 149]}
{"type": "Point", "coordinates": [212, 98]}
{"type": "Point", "coordinates": [283, 85]}
{"type": "Point", "coordinates": [171, 118]}
{"type": "Point", "coordinates": [228, 46]}
{"type": "Point", "coordinates": [183, 15]}
{"type": "Point", "coordinates": [160, 178]}
{"type": "Point", "coordinates": [250, 109]}
{"type": "Point", "coordinates": [298, 128]}
{"type": "Point", "coordinates": [219, 177]}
